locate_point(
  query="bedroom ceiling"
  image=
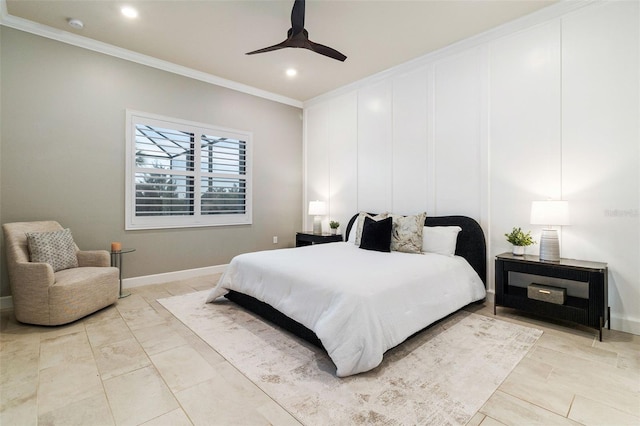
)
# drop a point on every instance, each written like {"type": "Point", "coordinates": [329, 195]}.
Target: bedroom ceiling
{"type": "Point", "coordinates": [212, 36]}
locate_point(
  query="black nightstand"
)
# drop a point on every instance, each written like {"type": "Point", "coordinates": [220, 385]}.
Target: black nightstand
{"type": "Point", "coordinates": [309, 238]}
{"type": "Point", "coordinates": [590, 308]}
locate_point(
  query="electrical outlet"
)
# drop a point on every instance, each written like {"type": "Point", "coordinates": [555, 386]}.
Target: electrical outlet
{"type": "Point", "coordinates": [275, 240]}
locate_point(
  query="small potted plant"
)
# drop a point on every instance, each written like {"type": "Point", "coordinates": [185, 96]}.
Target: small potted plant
{"type": "Point", "coordinates": [334, 225]}
{"type": "Point", "coordinates": [520, 240]}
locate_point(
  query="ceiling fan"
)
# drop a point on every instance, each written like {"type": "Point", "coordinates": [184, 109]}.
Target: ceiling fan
{"type": "Point", "coordinates": [297, 36]}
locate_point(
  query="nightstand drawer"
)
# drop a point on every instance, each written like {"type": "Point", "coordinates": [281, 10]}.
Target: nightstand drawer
{"type": "Point", "coordinates": [547, 293]}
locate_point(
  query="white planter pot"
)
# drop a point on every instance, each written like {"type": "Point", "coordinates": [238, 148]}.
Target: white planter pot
{"type": "Point", "coordinates": [518, 250]}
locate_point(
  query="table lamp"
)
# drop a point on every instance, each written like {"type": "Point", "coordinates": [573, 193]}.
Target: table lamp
{"type": "Point", "coordinates": [317, 209]}
{"type": "Point", "coordinates": [549, 213]}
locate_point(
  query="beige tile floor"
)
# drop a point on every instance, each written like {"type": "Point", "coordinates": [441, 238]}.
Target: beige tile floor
{"type": "Point", "coordinates": [135, 364]}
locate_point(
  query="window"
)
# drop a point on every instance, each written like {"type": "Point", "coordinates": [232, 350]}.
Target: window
{"type": "Point", "coordinates": [183, 174]}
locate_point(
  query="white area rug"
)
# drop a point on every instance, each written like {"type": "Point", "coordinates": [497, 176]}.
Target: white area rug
{"type": "Point", "coordinates": [441, 376]}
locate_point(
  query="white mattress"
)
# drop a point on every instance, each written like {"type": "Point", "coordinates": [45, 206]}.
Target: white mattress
{"type": "Point", "coordinates": [358, 302]}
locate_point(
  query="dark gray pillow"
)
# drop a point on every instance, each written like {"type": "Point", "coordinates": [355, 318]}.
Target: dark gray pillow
{"type": "Point", "coordinates": [376, 235]}
{"type": "Point", "coordinates": [55, 248]}
{"type": "Point", "coordinates": [360, 224]}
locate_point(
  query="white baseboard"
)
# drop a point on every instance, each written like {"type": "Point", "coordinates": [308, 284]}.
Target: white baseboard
{"type": "Point", "coordinates": [626, 324]}
{"type": "Point", "coordinates": [171, 276]}
{"type": "Point", "coordinates": [6, 302]}
{"type": "Point", "coordinates": [491, 295]}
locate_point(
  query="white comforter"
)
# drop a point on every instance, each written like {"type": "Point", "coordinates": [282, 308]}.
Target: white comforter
{"type": "Point", "coordinates": [358, 302]}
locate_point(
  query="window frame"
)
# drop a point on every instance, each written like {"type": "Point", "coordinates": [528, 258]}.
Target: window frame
{"type": "Point", "coordinates": [197, 219]}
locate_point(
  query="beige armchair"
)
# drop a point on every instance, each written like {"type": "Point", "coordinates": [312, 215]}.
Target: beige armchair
{"type": "Point", "coordinates": [44, 297]}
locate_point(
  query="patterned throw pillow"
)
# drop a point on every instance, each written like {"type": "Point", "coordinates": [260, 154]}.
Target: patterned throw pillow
{"type": "Point", "coordinates": [360, 222]}
{"type": "Point", "coordinates": [55, 248]}
{"type": "Point", "coordinates": [406, 236]}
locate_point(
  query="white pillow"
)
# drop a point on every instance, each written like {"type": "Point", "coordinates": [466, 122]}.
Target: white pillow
{"type": "Point", "coordinates": [352, 234]}
{"type": "Point", "coordinates": [440, 239]}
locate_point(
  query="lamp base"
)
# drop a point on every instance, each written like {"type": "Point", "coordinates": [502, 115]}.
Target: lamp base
{"type": "Point", "coordinates": [317, 225]}
{"type": "Point", "coordinates": [549, 246]}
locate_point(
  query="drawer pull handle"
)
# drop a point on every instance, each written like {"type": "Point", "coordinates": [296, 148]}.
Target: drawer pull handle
{"type": "Point", "coordinates": [544, 291]}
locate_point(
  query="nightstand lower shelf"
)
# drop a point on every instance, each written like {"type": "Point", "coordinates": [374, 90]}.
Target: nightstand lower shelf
{"type": "Point", "coordinates": [575, 308]}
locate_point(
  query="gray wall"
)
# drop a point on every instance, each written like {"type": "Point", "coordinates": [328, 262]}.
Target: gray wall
{"type": "Point", "coordinates": [62, 152]}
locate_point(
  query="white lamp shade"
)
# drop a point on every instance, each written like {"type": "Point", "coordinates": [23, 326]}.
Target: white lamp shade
{"type": "Point", "coordinates": [550, 213]}
{"type": "Point", "coordinates": [317, 208]}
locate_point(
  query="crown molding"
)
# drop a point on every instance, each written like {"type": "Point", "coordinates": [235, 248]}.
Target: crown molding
{"type": "Point", "coordinates": [25, 25]}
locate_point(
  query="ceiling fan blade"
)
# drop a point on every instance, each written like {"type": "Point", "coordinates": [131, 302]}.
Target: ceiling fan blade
{"type": "Point", "coordinates": [297, 17]}
{"type": "Point", "coordinates": [326, 51]}
{"type": "Point", "coordinates": [270, 48]}
{"type": "Point", "coordinates": [298, 37]}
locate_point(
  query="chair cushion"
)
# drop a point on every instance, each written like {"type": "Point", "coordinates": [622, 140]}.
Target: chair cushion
{"type": "Point", "coordinates": [81, 291]}
{"type": "Point", "coordinates": [55, 248]}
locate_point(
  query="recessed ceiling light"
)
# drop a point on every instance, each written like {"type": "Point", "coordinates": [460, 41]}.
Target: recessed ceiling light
{"type": "Point", "coordinates": [129, 12]}
{"type": "Point", "coordinates": [291, 72]}
{"type": "Point", "coordinates": [75, 23]}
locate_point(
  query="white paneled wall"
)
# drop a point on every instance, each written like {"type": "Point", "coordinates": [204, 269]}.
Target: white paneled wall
{"type": "Point", "coordinates": [410, 131]}
{"type": "Point", "coordinates": [331, 158]}
{"type": "Point", "coordinates": [375, 152]}
{"type": "Point", "coordinates": [343, 161]}
{"type": "Point", "coordinates": [459, 134]}
{"type": "Point", "coordinates": [601, 147]}
{"type": "Point", "coordinates": [317, 154]}
{"type": "Point", "coordinates": [524, 128]}
{"type": "Point", "coordinates": [549, 109]}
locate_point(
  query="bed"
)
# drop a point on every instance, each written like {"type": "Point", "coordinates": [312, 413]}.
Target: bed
{"type": "Point", "coordinates": [354, 303]}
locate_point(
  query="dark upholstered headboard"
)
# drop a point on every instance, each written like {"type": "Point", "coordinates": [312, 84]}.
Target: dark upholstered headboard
{"type": "Point", "coordinates": [471, 243]}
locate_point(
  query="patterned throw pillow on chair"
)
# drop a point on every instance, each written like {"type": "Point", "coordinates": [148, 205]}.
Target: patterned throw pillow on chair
{"type": "Point", "coordinates": [55, 248]}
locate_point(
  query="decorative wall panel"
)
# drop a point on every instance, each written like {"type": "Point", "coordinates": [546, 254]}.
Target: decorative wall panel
{"type": "Point", "coordinates": [601, 147]}
{"type": "Point", "coordinates": [374, 147]}
{"type": "Point", "coordinates": [410, 122]}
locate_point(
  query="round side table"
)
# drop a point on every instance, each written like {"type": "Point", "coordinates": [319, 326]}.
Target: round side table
{"type": "Point", "coordinates": [116, 260]}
